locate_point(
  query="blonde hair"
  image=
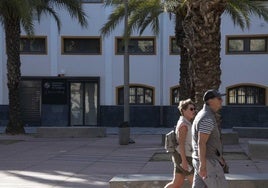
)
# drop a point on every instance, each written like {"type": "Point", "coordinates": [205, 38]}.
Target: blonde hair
{"type": "Point", "coordinates": [184, 104]}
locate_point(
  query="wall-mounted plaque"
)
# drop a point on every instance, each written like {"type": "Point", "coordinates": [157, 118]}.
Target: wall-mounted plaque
{"type": "Point", "coordinates": [54, 91]}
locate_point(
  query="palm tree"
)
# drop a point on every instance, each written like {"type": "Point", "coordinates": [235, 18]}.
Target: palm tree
{"type": "Point", "coordinates": [202, 25]}
{"type": "Point", "coordinates": [145, 13]}
{"type": "Point", "coordinates": [15, 14]}
{"type": "Point", "coordinates": [197, 31]}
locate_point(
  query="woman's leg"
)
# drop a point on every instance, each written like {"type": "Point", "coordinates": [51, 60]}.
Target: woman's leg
{"type": "Point", "coordinates": [177, 182]}
{"type": "Point", "coordinates": [190, 178]}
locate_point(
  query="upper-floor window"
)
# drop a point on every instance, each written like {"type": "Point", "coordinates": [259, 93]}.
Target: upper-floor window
{"type": "Point", "coordinates": [137, 46]}
{"type": "Point", "coordinates": [139, 95]}
{"type": "Point", "coordinates": [81, 45]}
{"type": "Point", "coordinates": [246, 95]}
{"type": "Point", "coordinates": [173, 47]}
{"type": "Point", "coordinates": [33, 45]}
{"type": "Point", "coordinates": [92, 1]}
{"type": "Point", "coordinates": [175, 95]}
{"type": "Point", "coordinates": [247, 44]}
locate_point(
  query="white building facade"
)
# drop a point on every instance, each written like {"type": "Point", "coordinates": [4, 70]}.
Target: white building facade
{"type": "Point", "coordinates": [75, 76]}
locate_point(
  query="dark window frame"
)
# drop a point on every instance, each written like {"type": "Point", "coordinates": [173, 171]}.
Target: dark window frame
{"type": "Point", "coordinates": [246, 95]}
{"type": "Point", "coordinates": [141, 92]}
{"type": "Point", "coordinates": [28, 44]}
{"type": "Point", "coordinates": [174, 100]}
{"type": "Point", "coordinates": [246, 49]}
{"type": "Point", "coordinates": [119, 46]}
{"type": "Point", "coordinates": [81, 41]}
{"type": "Point", "coordinates": [173, 48]}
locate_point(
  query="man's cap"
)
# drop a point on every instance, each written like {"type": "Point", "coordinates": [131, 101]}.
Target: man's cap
{"type": "Point", "coordinates": [212, 93]}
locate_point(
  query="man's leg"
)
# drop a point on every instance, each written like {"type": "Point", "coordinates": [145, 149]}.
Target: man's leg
{"type": "Point", "coordinates": [197, 181]}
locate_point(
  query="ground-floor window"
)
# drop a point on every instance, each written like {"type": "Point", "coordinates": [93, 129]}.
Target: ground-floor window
{"type": "Point", "coordinates": [246, 95]}
{"type": "Point", "coordinates": [138, 94]}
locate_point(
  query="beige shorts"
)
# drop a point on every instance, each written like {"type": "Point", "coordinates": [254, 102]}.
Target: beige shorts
{"type": "Point", "coordinates": [176, 158]}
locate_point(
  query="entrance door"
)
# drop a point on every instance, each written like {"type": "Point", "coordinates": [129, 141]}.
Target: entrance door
{"type": "Point", "coordinates": [84, 103]}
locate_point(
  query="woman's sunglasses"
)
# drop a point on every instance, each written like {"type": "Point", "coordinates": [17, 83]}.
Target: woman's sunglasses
{"type": "Point", "coordinates": [192, 109]}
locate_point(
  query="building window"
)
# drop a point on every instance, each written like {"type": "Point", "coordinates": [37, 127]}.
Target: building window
{"type": "Point", "coordinates": [247, 45]}
{"type": "Point", "coordinates": [81, 46]}
{"type": "Point", "coordinates": [92, 1]}
{"type": "Point", "coordinates": [138, 95]}
{"type": "Point", "coordinates": [246, 95]}
{"type": "Point", "coordinates": [173, 47]}
{"type": "Point", "coordinates": [175, 95]}
{"type": "Point", "coordinates": [137, 46]}
{"type": "Point", "coordinates": [33, 45]}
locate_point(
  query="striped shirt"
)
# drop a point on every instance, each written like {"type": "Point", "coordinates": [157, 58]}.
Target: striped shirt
{"type": "Point", "coordinates": [206, 125]}
{"type": "Point", "coordinates": [205, 122]}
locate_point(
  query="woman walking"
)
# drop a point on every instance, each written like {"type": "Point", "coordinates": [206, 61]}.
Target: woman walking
{"type": "Point", "coordinates": [182, 157]}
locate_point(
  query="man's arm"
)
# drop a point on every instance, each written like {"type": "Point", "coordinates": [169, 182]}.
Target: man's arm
{"type": "Point", "coordinates": [202, 149]}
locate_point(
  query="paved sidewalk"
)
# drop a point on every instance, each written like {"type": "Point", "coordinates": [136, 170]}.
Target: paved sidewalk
{"type": "Point", "coordinates": [30, 162]}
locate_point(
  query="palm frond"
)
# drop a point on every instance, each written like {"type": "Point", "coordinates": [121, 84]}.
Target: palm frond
{"type": "Point", "coordinates": [259, 9]}
{"type": "Point", "coordinates": [113, 20]}
{"type": "Point", "coordinates": [44, 9]}
{"type": "Point", "coordinates": [21, 10]}
{"type": "Point", "coordinates": [73, 7]}
{"type": "Point", "coordinates": [146, 14]}
{"type": "Point", "coordinates": [241, 11]}
{"type": "Point", "coordinates": [141, 14]}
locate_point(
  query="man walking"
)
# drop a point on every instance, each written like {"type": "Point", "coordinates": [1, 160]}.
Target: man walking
{"type": "Point", "coordinates": [207, 146]}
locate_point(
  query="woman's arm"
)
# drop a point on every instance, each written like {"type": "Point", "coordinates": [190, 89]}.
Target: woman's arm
{"type": "Point", "coordinates": [182, 138]}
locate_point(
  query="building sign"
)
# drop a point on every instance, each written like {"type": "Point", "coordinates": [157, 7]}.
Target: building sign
{"type": "Point", "coordinates": [54, 91]}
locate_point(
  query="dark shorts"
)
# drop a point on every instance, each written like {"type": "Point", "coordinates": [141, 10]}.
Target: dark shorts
{"type": "Point", "coordinates": [176, 158]}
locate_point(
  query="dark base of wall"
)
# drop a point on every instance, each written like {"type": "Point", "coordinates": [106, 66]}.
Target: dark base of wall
{"type": "Point", "coordinates": [3, 115]}
{"type": "Point", "coordinates": [140, 116]}
{"type": "Point", "coordinates": [167, 116]}
{"type": "Point", "coordinates": [242, 116]}
{"type": "Point", "coordinates": [151, 116]}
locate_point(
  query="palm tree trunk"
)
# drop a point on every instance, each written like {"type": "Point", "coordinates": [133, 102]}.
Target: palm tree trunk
{"type": "Point", "coordinates": [186, 83]}
{"type": "Point", "coordinates": [12, 31]}
{"type": "Point", "coordinates": [202, 29]}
